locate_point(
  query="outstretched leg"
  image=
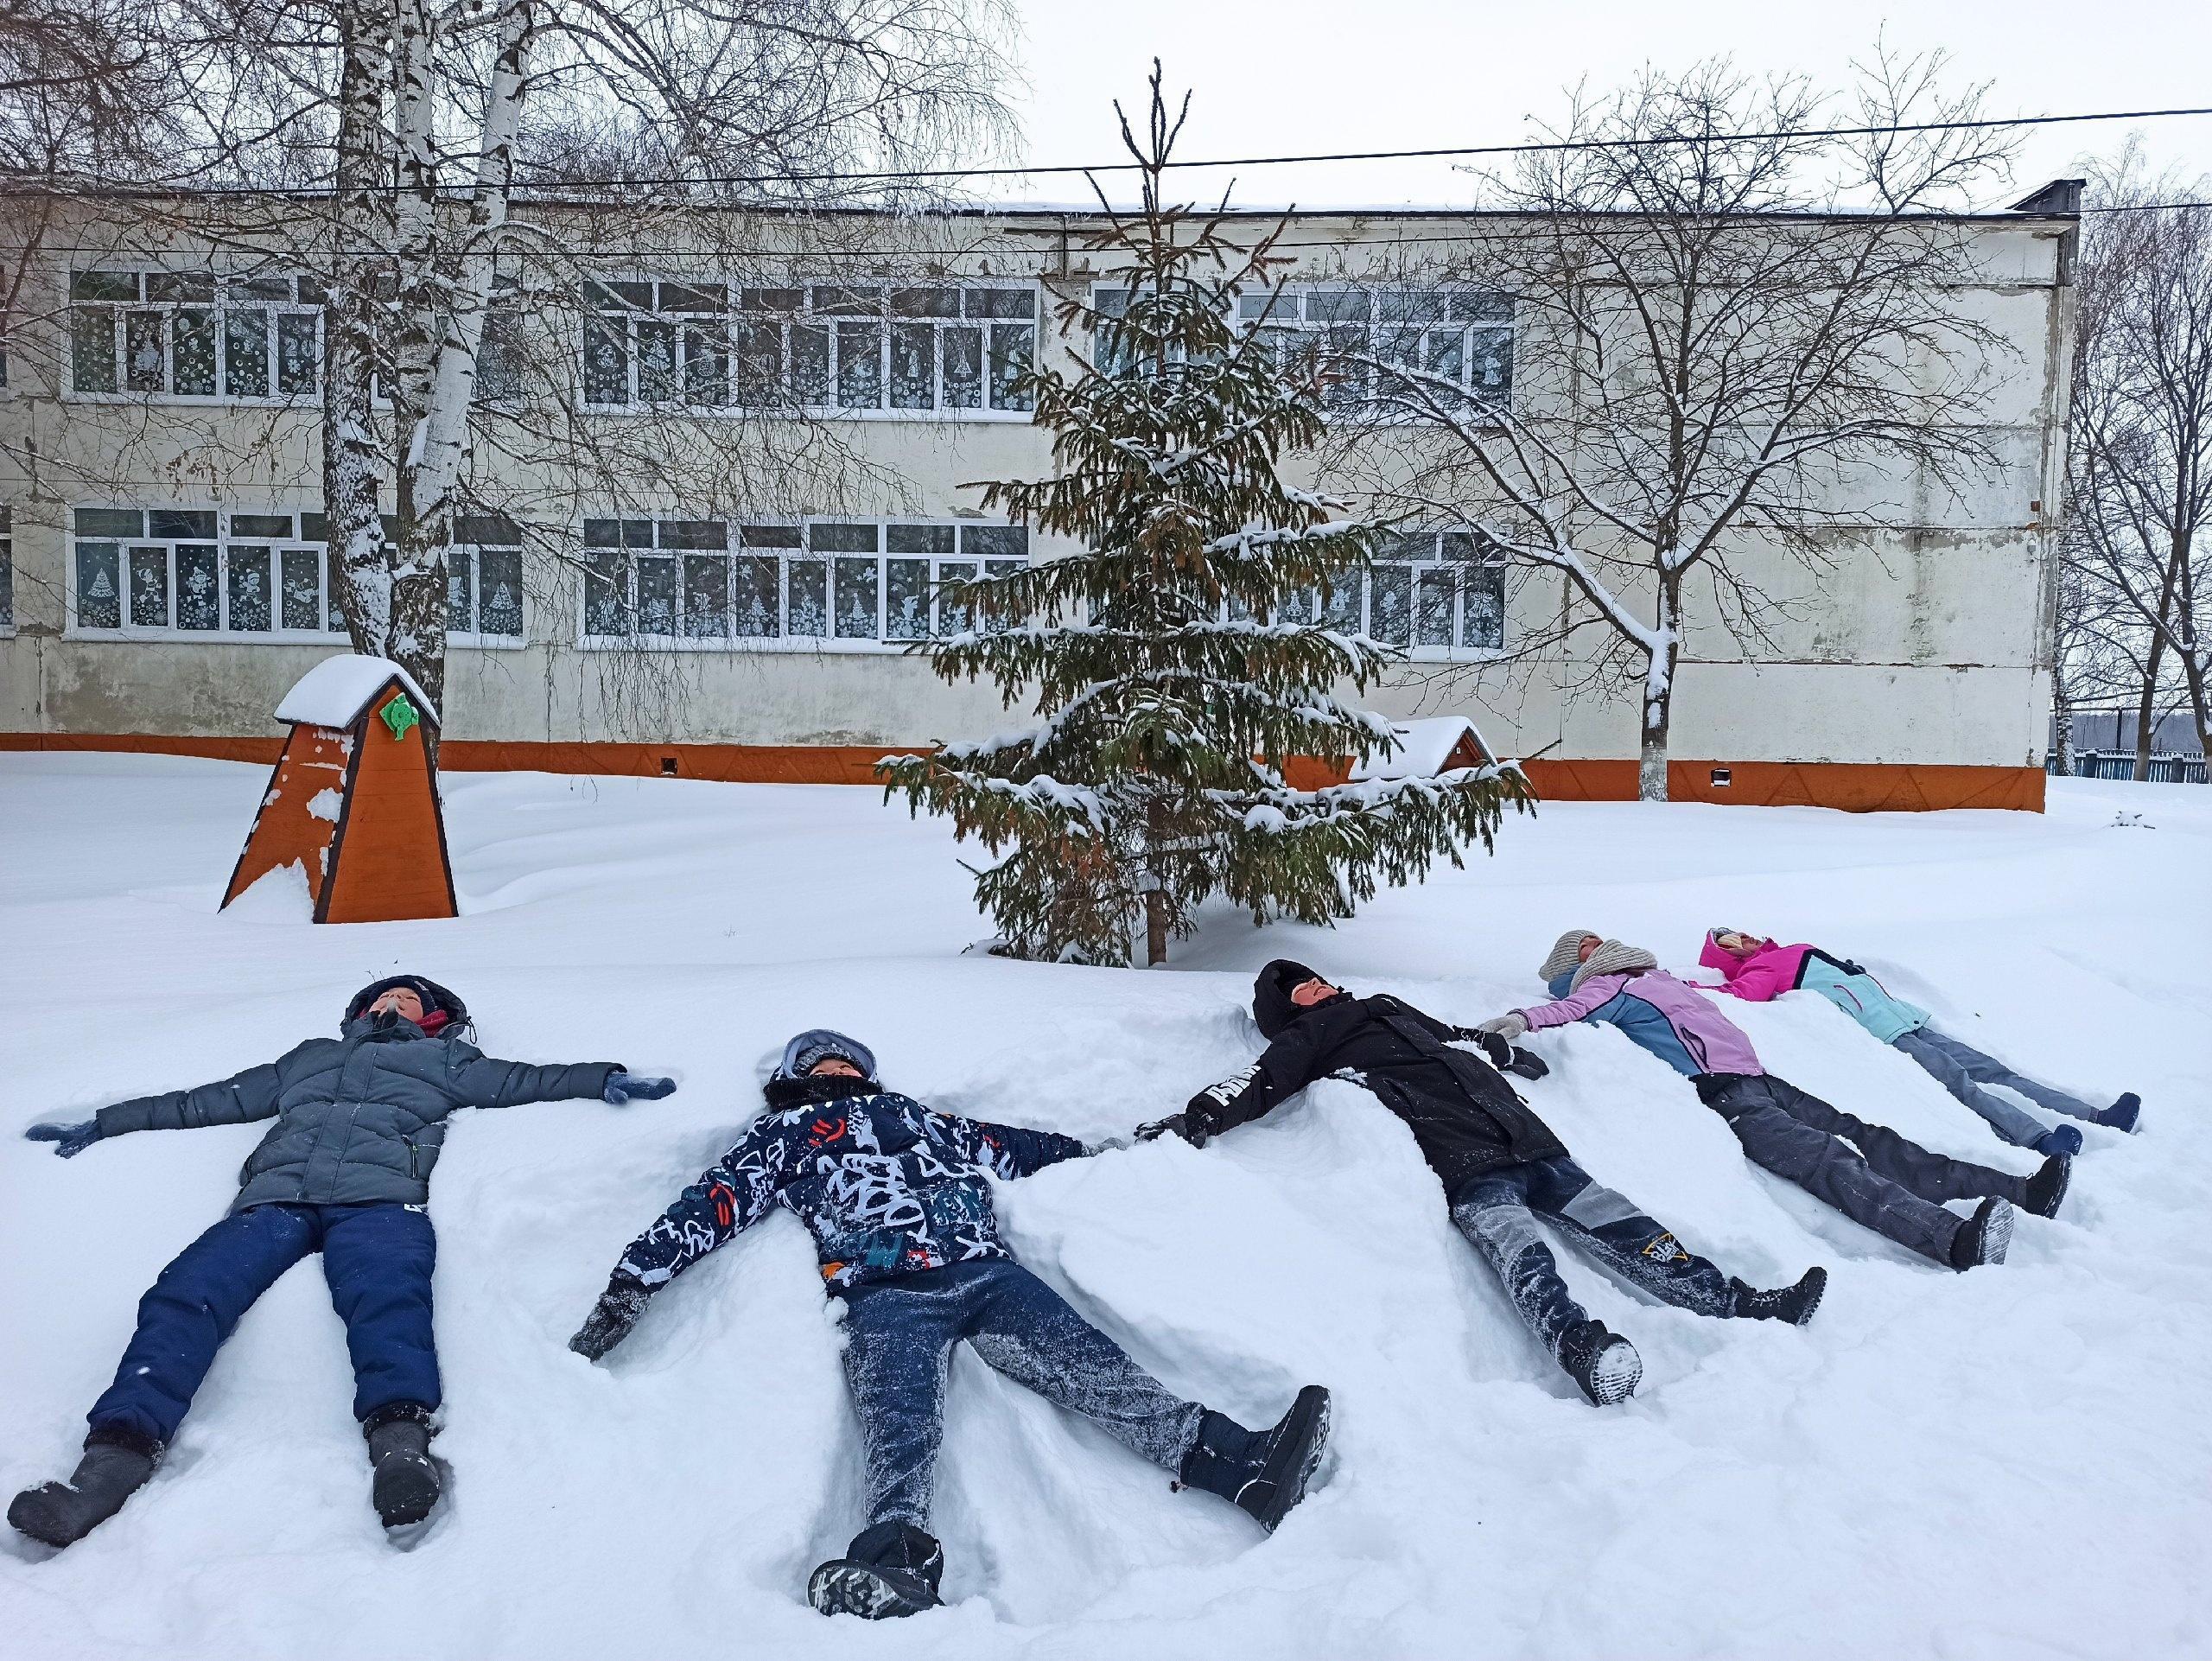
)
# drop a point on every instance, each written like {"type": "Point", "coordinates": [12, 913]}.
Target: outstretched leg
{"type": "Point", "coordinates": [1636, 1247]}
{"type": "Point", "coordinates": [898, 1335]}
{"type": "Point", "coordinates": [189, 1312]}
{"type": "Point", "coordinates": [1988, 1070]}
{"type": "Point", "coordinates": [1899, 1159]}
{"type": "Point", "coordinates": [1494, 1213]}
{"type": "Point", "coordinates": [378, 1260]}
{"type": "Point", "coordinates": [1948, 1063]}
{"type": "Point", "coordinates": [1028, 1332]}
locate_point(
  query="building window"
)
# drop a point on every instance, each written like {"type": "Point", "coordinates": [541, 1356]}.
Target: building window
{"type": "Point", "coordinates": [825, 584]}
{"type": "Point", "coordinates": [200, 573]}
{"type": "Point", "coordinates": [484, 580]}
{"type": "Point", "coordinates": [192, 334]}
{"type": "Point", "coordinates": [7, 570]}
{"type": "Point", "coordinates": [853, 347]}
{"type": "Point", "coordinates": [1462, 336]}
{"type": "Point", "coordinates": [1430, 593]}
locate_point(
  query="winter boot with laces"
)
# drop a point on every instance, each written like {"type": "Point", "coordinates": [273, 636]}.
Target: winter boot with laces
{"type": "Point", "coordinates": [406, 1484]}
{"type": "Point", "coordinates": [1794, 1304]}
{"type": "Point", "coordinates": [62, 1513]}
{"type": "Point", "coordinates": [2047, 1187]}
{"type": "Point", "coordinates": [1262, 1473]}
{"type": "Point", "coordinates": [1984, 1237]}
{"type": "Point", "coordinates": [1603, 1363]}
{"type": "Point", "coordinates": [889, 1571]}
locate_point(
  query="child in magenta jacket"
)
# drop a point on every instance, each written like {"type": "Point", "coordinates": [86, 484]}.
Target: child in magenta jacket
{"type": "Point", "coordinates": [1868, 1172]}
{"type": "Point", "coordinates": [1758, 970]}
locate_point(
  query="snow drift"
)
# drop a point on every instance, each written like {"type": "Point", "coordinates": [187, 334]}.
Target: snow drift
{"type": "Point", "coordinates": [2014, 1462]}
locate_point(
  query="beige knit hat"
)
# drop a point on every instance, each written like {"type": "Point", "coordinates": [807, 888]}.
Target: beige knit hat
{"type": "Point", "coordinates": [1614, 957]}
{"type": "Point", "coordinates": [1566, 953]}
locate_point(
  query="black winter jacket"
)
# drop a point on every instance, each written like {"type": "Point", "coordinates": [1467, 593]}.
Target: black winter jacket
{"type": "Point", "coordinates": [1466, 1119]}
{"type": "Point", "coordinates": [360, 1118]}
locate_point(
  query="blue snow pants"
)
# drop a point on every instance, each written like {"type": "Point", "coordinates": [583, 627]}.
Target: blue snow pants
{"type": "Point", "coordinates": [1963, 1069]}
{"type": "Point", "coordinates": [377, 1260]}
{"type": "Point", "coordinates": [898, 1339]}
{"type": "Point", "coordinates": [1497, 1212]}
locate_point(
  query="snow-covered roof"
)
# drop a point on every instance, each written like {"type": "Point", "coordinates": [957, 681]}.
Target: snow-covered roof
{"type": "Point", "coordinates": [335, 691]}
{"type": "Point", "coordinates": [1423, 748]}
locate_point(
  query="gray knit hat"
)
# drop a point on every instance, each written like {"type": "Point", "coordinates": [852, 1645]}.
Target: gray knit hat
{"type": "Point", "coordinates": [1614, 957]}
{"type": "Point", "coordinates": [1566, 953]}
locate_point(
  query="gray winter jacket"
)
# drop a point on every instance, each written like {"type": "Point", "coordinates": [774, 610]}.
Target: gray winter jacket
{"type": "Point", "coordinates": [360, 1118]}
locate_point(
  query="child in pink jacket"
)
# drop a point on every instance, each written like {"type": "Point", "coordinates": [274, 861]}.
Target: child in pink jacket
{"type": "Point", "coordinates": [1757, 970]}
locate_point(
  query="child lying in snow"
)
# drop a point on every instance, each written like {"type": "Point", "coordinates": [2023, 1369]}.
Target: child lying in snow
{"type": "Point", "coordinates": [345, 1171]}
{"type": "Point", "coordinates": [894, 1196]}
{"type": "Point", "coordinates": [1757, 969]}
{"type": "Point", "coordinates": [1891, 1185]}
{"type": "Point", "coordinates": [1501, 1166]}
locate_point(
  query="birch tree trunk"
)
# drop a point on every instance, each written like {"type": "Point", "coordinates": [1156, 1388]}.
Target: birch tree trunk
{"type": "Point", "coordinates": [1658, 700]}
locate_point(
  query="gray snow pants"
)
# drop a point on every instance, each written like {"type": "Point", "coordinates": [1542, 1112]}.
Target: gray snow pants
{"type": "Point", "coordinates": [898, 1339]}
{"type": "Point", "coordinates": [1963, 1069]}
{"type": "Point", "coordinates": [1868, 1172]}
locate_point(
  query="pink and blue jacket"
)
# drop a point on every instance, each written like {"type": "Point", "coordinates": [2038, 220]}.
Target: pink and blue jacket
{"type": "Point", "coordinates": [1664, 1015]}
{"type": "Point", "coordinates": [1773, 970]}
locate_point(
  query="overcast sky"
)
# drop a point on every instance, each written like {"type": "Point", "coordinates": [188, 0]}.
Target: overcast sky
{"type": "Point", "coordinates": [1292, 78]}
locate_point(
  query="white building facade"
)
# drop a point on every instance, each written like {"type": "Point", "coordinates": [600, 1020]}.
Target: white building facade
{"type": "Point", "coordinates": [165, 577]}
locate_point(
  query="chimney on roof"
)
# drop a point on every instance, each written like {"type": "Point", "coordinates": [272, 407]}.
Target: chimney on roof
{"type": "Point", "coordinates": [2060, 198]}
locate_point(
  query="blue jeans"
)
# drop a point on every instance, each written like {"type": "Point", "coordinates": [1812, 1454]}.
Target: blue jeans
{"type": "Point", "coordinates": [1498, 1210]}
{"type": "Point", "coordinates": [898, 1339]}
{"type": "Point", "coordinates": [377, 1260]}
{"type": "Point", "coordinates": [1963, 1069]}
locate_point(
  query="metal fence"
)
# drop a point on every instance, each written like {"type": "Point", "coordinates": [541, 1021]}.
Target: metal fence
{"type": "Point", "coordinates": [2167, 768]}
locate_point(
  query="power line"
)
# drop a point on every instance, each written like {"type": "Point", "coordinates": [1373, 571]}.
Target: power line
{"type": "Point", "coordinates": [1027, 171]}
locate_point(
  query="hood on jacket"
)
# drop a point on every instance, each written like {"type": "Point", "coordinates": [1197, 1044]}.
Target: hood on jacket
{"type": "Point", "coordinates": [437, 1000]}
{"type": "Point", "coordinates": [1716, 956]}
{"type": "Point", "coordinates": [808, 1050]}
{"type": "Point", "coordinates": [1562, 959]}
{"type": "Point", "coordinates": [1271, 1006]}
{"type": "Point", "coordinates": [1614, 957]}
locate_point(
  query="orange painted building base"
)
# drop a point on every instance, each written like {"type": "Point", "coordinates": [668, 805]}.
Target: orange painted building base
{"type": "Point", "coordinates": [1856, 787]}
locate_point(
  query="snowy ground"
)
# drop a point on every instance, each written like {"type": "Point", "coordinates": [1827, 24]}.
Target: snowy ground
{"type": "Point", "coordinates": [2016, 1462]}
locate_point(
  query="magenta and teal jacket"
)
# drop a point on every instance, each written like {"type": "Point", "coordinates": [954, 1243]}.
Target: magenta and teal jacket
{"type": "Point", "coordinates": [1773, 970]}
{"type": "Point", "coordinates": [1663, 1015]}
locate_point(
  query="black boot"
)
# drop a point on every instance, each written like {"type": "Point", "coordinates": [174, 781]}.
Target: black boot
{"type": "Point", "coordinates": [406, 1484]}
{"type": "Point", "coordinates": [1263, 1473]}
{"type": "Point", "coordinates": [1604, 1363]}
{"type": "Point", "coordinates": [115, 1466]}
{"type": "Point", "coordinates": [2047, 1187]}
{"type": "Point", "coordinates": [889, 1571]}
{"type": "Point", "coordinates": [1794, 1304]}
{"type": "Point", "coordinates": [2125, 1114]}
{"type": "Point", "coordinates": [1984, 1237]}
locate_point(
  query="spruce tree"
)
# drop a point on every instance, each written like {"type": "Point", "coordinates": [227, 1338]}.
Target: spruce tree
{"type": "Point", "coordinates": [1180, 660]}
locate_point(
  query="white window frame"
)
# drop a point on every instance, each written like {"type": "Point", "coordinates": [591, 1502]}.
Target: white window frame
{"type": "Point", "coordinates": [1480, 555]}
{"type": "Point", "coordinates": [468, 557]}
{"type": "Point", "coordinates": [833, 309]}
{"type": "Point", "coordinates": [226, 294]}
{"type": "Point", "coordinates": [960, 562]}
{"type": "Point", "coordinates": [227, 535]}
{"type": "Point", "coordinates": [1465, 332]}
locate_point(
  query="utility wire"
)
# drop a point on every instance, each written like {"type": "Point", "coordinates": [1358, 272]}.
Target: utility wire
{"type": "Point", "coordinates": [920, 175]}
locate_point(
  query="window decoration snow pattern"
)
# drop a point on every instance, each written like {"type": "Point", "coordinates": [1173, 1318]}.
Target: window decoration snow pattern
{"type": "Point", "coordinates": [853, 349]}
{"type": "Point", "coordinates": [193, 334]}
{"type": "Point", "coordinates": [7, 570]}
{"type": "Point", "coordinates": [197, 572]}
{"type": "Point", "coordinates": [1431, 593]}
{"type": "Point", "coordinates": [484, 580]}
{"type": "Point", "coordinates": [1460, 336]}
{"type": "Point", "coordinates": [827, 584]}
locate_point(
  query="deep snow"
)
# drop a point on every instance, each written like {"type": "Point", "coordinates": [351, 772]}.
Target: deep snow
{"type": "Point", "coordinates": [2014, 1462]}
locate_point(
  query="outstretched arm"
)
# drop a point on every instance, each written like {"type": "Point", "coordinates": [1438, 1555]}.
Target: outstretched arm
{"type": "Point", "coordinates": [1758, 982]}
{"type": "Point", "coordinates": [237, 1100]}
{"type": "Point", "coordinates": [1285, 1067]}
{"type": "Point", "coordinates": [732, 1194]}
{"type": "Point", "coordinates": [1593, 994]}
{"type": "Point", "coordinates": [1006, 1151]}
{"type": "Point", "coordinates": [479, 1080]}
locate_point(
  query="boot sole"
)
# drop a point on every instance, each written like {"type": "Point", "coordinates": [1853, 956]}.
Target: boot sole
{"type": "Point", "coordinates": [1812, 1304]}
{"type": "Point", "coordinates": [405, 1491]}
{"type": "Point", "coordinates": [1996, 1235]}
{"type": "Point", "coordinates": [30, 1515]}
{"type": "Point", "coordinates": [1615, 1373]}
{"type": "Point", "coordinates": [1291, 1465]}
{"type": "Point", "coordinates": [848, 1587]}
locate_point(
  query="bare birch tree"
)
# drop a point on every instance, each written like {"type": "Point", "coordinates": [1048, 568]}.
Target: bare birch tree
{"type": "Point", "coordinates": [2140, 475]}
{"type": "Point", "coordinates": [1704, 373]}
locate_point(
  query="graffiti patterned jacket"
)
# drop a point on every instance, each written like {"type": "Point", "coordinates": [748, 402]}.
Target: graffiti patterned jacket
{"type": "Point", "coordinates": [886, 1186]}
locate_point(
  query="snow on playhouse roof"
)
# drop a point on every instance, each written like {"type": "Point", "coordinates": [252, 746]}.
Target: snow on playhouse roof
{"type": "Point", "coordinates": [335, 691]}
{"type": "Point", "coordinates": [1423, 748]}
